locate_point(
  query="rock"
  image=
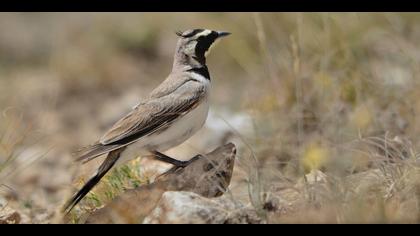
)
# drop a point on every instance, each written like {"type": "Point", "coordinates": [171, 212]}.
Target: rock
{"type": "Point", "coordinates": [3, 202]}
{"type": "Point", "coordinates": [209, 176]}
{"type": "Point", "coordinates": [129, 208]}
{"type": "Point", "coordinates": [313, 178]}
{"type": "Point", "coordinates": [316, 176]}
{"type": "Point", "coordinates": [282, 201]}
{"type": "Point", "coordinates": [191, 208]}
{"type": "Point", "coordinates": [7, 214]}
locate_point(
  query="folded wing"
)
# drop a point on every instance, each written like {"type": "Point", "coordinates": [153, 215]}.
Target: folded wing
{"type": "Point", "coordinates": [148, 117]}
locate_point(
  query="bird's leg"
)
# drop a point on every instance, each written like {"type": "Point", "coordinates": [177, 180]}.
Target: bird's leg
{"type": "Point", "coordinates": [164, 158]}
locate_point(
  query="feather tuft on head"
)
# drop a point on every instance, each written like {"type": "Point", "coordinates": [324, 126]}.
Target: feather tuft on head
{"type": "Point", "coordinates": [179, 33]}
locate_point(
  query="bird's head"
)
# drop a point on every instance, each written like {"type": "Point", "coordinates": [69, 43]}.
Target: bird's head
{"type": "Point", "coordinates": [194, 45]}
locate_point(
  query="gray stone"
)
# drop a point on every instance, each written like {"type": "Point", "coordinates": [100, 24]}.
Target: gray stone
{"type": "Point", "coordinates": [7, 214]}
{"type": "Point", "coordinates": [191, 208]}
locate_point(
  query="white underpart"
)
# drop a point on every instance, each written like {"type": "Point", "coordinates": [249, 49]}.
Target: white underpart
{"type": "Point", "coordinates": [179, 131]}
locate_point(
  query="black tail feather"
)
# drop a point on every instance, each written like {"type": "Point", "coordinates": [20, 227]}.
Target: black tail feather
{"type": "Point", "coordinates": [103, 169]}
{"type": "Point", "coordinates": [81, 193]}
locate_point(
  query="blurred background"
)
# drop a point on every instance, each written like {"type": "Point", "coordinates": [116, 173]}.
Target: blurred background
{"type": "Point", "coordinates": [295, 92]}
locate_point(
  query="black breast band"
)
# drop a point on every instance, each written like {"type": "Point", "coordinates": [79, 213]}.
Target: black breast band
{"type": "Point", "coordinates": [203, 71]}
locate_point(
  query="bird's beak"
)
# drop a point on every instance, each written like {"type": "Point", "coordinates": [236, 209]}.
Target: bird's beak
{"type": "Point", "coordinates": [222, 34]}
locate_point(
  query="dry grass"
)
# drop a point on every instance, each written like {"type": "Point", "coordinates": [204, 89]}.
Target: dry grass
{"type": "Point", "coordinates": [126, 177]}
{"type": "Point", "coordinates": [15, 140]}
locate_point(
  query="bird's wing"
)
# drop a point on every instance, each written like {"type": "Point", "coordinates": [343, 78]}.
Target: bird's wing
{"type": "Point", "coordinates": [168, 86]}
{"type": "Point", "coordinates": [155, 114]}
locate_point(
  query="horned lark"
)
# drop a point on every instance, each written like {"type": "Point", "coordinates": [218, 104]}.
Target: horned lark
{"type": "Point", "coordinates": [172, 113]}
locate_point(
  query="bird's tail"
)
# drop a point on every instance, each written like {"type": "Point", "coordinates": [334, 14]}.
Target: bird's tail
{"type": "Point", "coordinates": [90, 152]}
{"type": "Point", "coordinates": [103, 169]}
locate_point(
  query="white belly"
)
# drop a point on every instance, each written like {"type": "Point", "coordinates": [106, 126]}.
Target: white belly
{"type": "Point", "coordinates": [181, 130]}
{"type": "Point", "coordinates": [178, 132]}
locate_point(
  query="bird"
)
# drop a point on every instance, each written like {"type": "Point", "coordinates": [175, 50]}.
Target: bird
{"type": "Point", "coordinates": [174, 111]}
